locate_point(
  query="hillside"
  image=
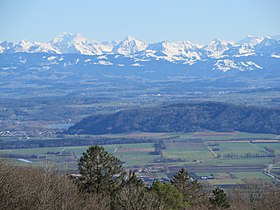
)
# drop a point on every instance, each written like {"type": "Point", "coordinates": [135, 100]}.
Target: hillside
{"type": "Point", "coordinates": [184, 117]}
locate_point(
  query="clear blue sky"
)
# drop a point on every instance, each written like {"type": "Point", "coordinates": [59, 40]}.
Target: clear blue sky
{"type": "Point", "coordinates": [150, 20]}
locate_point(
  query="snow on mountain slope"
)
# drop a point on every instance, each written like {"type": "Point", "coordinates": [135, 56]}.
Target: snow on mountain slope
{"type": "Point", "coordinates": [5, 46]}
{"type": "Point", "coordinates": [22, 46]}
{"type": "Point", "coordinates": [269, 46]}
{"type": "Point", "coordinates": [245, 47]}
{"type": "Point", "coordinates": [129, 46]}
{"type": "Point", "coordinates": [226, 65]}
{"type": "Point", "coordinates": [250, 40]}
{"type": "Point", "coordinates": [43, 47]}
{"type": "Point", "coordinates": [175, 51]}
{"type": "Point", "coordinates": [36, 47]}
{"type": "Point", "coordinates": [216, 48]}
{"type": "Point", "coordinates": [107, 47]}
{"type": "Point", "coordinates": [240, 50]}
{"type": "Point", "coordinates": [224, 54]}
{"type": "Point", "coordinates": [75, 43]}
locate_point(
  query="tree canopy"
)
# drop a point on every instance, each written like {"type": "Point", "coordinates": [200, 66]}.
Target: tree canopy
{"type": "Point", "coordinates": [184, 117]}
{"type": "Point", "coordinates": [101, 172]}
{"type": "Point", "coordinates": [191, 190]}
{"type": "Point", "coordinates": [220, 199]}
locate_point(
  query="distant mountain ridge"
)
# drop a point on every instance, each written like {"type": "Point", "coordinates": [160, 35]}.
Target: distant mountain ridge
{"type": "Point", "coordinates": [184, 117]}
{"type": "Point", "coordinates": [241, 55]}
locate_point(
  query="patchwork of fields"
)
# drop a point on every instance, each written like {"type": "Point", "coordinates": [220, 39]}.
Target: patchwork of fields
{"type": "Point", "coordinates": [218, 158]}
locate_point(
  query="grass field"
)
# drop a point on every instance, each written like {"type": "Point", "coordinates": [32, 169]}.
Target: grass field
{"type": "Point", "coordinates": [232, 178]}
{"type": "Point", "coordinates": [274, 146]}
{"type": "Point", "coordinates": [243, 162]}
{"type": "Point", "coordinates": [135, 154]}
{"type": "Point", "coordinates": [247, 176]}
{"type": "Point", "coordinates": [240, 148]}
{"type": "Point", "coordinates": [137, 135]}
{"type": "Point", "coordinates": [131, 154]}
{"type": "Point", "coordinates": [187, 151]}
{"type": "Point", "coordinates": [241, 135]}
{"type": "Point", "coordinates": [33, 151]}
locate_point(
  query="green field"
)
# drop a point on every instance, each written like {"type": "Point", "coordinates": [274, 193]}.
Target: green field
{"type": "Point", "coordinates": [130, 154]}
{"type": "Point", "coordinates": [243, 162]}
{"type": "Point", "coordinates": [234, 177]}
{"type": "Point", "coordinates": [239, 148]}
{"type": "Point", "coordinates": [240, 135]}
{"type": "Point", "coordinates": [247, 176]}
{"type": "Point", "coordinates": [189, 150]}
{"type": "Point", "coordinates": [274, 146]}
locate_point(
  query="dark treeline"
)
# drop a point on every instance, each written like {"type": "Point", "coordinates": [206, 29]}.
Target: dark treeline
{"type": "Point", "coordinates": [184, 117]}
{"type": "Point", "coordinates": [67, 142]}
{"type": "Point", "coordinates": [103, 184]}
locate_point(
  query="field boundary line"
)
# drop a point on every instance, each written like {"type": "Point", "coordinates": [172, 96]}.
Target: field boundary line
{"type": "Point", "coordinates": [212, 152]}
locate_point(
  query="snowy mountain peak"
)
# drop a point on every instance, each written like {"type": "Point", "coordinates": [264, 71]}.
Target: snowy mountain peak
{"type": "Point", "coordinates": [180, 51]}
{"type": "Point", "coordinates": [269, 46]}
{"type": "Point", "coordinates": [140, 52]}
{"type": "Point", "coordinates": [43, 47]}
{"type": "Point", "coordinates": [22, 46]}
{"type": "Point", "coordinates": [68, 37]}
{"type": "Point", "coordinates": [250, 40]}
{"type": "Point", "coordinates": [129, 38]}
{"type": "Point", "coordinates": [218, 42]}
{"type": "Point", "coordinates": [129, 46]}
{"type": "Point", "coordinates": [267, 41]}
{"type": "Point", "coordinates": [76, 43]}
{"type": "Point", "coordinates": [62, 37]}
{"type": "Point", "coordinates": [6, 46]}
{"type": "Point", "coordinates": [217, 47]}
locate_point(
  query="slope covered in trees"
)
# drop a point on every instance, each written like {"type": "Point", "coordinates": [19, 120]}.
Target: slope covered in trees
{"type": "Point", "coordinates": [184, 117]}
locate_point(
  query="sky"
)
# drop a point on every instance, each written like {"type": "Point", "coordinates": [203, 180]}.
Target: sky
{"type": "Point", "coordinates": [199, 21]}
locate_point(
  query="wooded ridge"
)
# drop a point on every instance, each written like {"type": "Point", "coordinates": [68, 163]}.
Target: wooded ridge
{"type": "Point", "coordinates": [184, 117]}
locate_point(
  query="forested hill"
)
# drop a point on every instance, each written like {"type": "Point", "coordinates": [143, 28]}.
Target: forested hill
{"type": "Point", "coordinates": [186, 117]}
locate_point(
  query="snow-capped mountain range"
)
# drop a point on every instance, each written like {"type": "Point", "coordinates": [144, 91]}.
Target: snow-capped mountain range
{"type": "Point", "coordinates": [224, 55]}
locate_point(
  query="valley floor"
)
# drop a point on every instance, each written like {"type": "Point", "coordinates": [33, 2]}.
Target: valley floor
{"type": "Point", "coordinates": [218, 158]}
